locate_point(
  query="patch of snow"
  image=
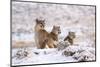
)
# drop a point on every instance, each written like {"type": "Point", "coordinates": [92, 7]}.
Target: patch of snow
{"type": "Point", "coordinates": [52, 55]}
{"type": "Point", "coordinates": [43, 56]}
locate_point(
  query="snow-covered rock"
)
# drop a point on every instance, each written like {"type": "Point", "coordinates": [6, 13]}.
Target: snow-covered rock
{"type": "Point", "coordinates": [80, 53]}
{"type": "Point", "coordinates": [84, 56]}
{"type": "Point", "coordinates": [62, 45]}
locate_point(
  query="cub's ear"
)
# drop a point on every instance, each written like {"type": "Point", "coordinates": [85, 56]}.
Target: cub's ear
{"type": "Point", "coordinates": [69, 32]}
{"type": "Point", "coordinates": [43, 20]}
{"type": "Point", "coordinates": [54, 27]}
{"type": "Point", "coordinates": [58, 26]}
{"type": "Point", "coordinates": [37, 20]}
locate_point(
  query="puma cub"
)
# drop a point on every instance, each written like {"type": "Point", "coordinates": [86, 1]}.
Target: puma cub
{"type": "Point", "coordinates": [70, 37]}
{"type": "Point", "coordinates": [52, 39]}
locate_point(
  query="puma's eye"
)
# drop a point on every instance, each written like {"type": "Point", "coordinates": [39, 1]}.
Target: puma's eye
{"type": "Point", "coordinates": [41, 26]}
{"type": "Point", "coordinates": [40, 23]}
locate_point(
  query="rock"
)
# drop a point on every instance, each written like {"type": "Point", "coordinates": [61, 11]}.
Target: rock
{"type": "Point", "coordinates": [68, 53]}
{"type": "Point", "coordinates": [22, 53]}
{"type": "Point", "coordinates": [62, 45]}
{"type": "Point", "coordinates": [80, 54]}
{"type": "Point", "coordinates": [84, 56]}
{"type": "Point", "coordinates": [37, 53]}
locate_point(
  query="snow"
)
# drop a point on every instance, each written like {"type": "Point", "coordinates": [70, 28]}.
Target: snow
{"type": "Point", "coordinates": [41, 56]}
{"type": "Point", "coordinates": [45, 56]}
{"type": "Point", "coordinates": [78, 19]}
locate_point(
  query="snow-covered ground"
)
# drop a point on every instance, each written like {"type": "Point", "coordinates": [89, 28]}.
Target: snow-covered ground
{"type": "Point", "coordinates": [79, 19]}
{"type": "Point", "coordinates": [43, 56]}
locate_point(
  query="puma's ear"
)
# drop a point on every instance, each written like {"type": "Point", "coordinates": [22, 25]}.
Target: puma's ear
{"type": "Point", "coordinates": [54, 26]}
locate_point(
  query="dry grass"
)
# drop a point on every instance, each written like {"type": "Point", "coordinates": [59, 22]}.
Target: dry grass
{"type": "Point", "coordinates": [22, 43]}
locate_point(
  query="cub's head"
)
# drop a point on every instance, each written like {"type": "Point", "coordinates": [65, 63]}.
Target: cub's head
{"type": "Point", "coordinates": [40, 24]}
{"type": "Point", "coordinates": [56, 30]}
{"type": "Point", "coordinates": [72, 35]}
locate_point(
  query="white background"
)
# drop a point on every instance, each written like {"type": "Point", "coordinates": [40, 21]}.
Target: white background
{"type": "Point", "coordinates": [5, 33]}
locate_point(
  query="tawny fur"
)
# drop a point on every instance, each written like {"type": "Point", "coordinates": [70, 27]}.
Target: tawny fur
{"type": "Point", "coordinates": [43, 38]}
{"type": "Point", "coordinates": [21, 43]}
{"type": "Point", "coordinates": [39, 33]}
{"type": "Point", "coordinates": [52, 39]}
